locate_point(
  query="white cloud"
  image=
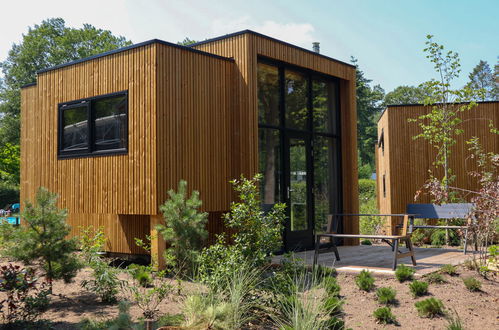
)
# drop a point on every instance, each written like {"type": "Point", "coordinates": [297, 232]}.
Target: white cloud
{"type": "Point", "coordinates": [300, 34]}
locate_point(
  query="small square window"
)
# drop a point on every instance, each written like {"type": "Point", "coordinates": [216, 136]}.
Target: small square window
{"type": "Point", "coordinates": [94, 126]}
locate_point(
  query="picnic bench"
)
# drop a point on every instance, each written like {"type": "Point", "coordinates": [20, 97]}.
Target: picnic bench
{"type": "Point", "coordinates": [392, 240]}
{"type": "Point", "coordinates": [444, 211]}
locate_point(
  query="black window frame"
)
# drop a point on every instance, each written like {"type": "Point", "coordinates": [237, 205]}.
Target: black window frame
{"type": "Point", "coordinates": [90, 150]}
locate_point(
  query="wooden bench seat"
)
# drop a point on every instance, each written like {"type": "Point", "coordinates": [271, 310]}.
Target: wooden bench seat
{"type": "Point", "coordinates": [392, 240]}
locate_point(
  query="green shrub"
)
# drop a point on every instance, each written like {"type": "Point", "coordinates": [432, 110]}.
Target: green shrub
{"type": "Point", "coordinates": [420, 236]}
{"type": "Point", "coordinates": [185, 229]}
{"type": "Point", "coordinates": [141, 274]}
{"type": "Point", "coordinates": [331, 286]}
{"type": "Point", "coordinates": [430, 307]}
{"type": "Point", "coordinates": [366, 242]}
{"type": "Point", "coordinates": [386, 295]}
{"type": "Point", "coordinates": [105, 282]}
{"type": "Point", "coordinates": [454, 322]}
{"type": "Point", "coordinates": [435, 278]}
{"type": "Point", "coordinates": [404, 273]}
{"type": "Point", "coordinates": [257, 235]}
{"type": "Point", "coordinates": [367, 188]}
{"type": "Point", "coordinates": [418, 288]}
{"type": "Point", "coordinates": [472, 284]}
{"type": "Point", "coordinates": [438, 238]}
{"type": "Point", "coordinates": [449, 269]}
{"type": "Point", "coordinates": [384, 315]}
{"type": "Point", "coordinates": [365, 280]}
{"type": "Point", "coordinates": [9, 193]}
{"type": "Point", "coordinates": [44, 239]}
{"type": "Point", "coordinates": [170, 320]}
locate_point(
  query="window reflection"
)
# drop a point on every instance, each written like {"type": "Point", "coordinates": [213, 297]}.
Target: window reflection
{"type": "Point", "coordinates": [296, 96]}
{"type": "Point", "coordinates": [324, 106]}
{"type": "Point", "coordinates": [268, 94]}
{"type": "Point", "coordinates": [75, 128]}
{"type": "Point", "coordinates": [110, 122]}
{"type": "Point", "coordinates": [269, 156]}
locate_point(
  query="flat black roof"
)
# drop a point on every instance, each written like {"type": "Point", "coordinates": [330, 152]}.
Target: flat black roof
{"type": "Point", "coordinates": [420, 104]}
{"type": "Point", "coordinates": [269, 38]}
{"type": "Point", "coordinates": [122, 49]}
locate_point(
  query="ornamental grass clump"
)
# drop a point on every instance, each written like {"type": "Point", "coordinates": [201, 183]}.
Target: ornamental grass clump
{"type": "Point", "coordinates": [472, 284]}
{"type": "Point", "coordinates": [386, 296]}
{"type": "Point", "coordinates": [430, 307]}
{"type": "Point", "coordinates": [435, 278]}
{"type": "Point", "coordinates": [404, 273]}
{"type": "Point", "coordinates": [384, 315]}
{"type": "Point", "coordinates": [449, 270]}
{"type": "Point", "coordinates": [365, 280]}
{"type": "Point", "coordinates": [418, 288]}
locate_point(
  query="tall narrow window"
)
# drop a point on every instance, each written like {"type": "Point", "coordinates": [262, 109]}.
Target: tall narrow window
{"type": "Point", "coordinates": [384, 186]}
{"type": "Point", "coordinates": [93, 126]}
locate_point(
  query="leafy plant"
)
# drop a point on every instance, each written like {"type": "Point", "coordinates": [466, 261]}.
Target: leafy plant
{"type": "Point", "coordinates": [449, 269]}
{"type": "Point", "coordinates": [439, 236]}
{"type": "Point", "coordinates": [149, 298]}
{"type": "Point", "coordinates": [141, 274]}
{"type": "Point", "coordinates": [365, 280]}
{"type": "Point", "coordinates": [256, 235]}
{"type": "Point", "coordinates": [184, 230]}
{"type": "Point", "coordinates": [384, 315]}
{"type": "Point", "coordinates": [92, 242]}
{"type": "Point", "coordinates": [404, 273]}
{"type": "Point", "coordinates": [105, 282]}
{"type": "Point", "coordinates": [25, 299]}
{"type": "Point", "coordinates": [366, 242]}
{"type": "Point", "coordinates": [435, 278]}
{"type": "Point", "coordinates": [418, 288]}
{"type": "Point", "coordinates": [386, 295]}
{"type": "Point", "coordinates": [44, 239]}
{"type": "Point", "coordinates": [430, 307]}
{"type": "Point", "coordinates": [472, 284]}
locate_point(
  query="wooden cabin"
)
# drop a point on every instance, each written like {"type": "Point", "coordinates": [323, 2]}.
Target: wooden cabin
{"type": "Point", "coordinates": [111, 134]}
{"type": "Point", "coordinates": [402, 162]}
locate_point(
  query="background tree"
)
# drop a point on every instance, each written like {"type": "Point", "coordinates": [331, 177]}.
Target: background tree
{"type": "Point", "coordinates": [369, 108]}
{"type": "Point", "coordinates": [405, 95]}
{"type": "Point", "coordinates": [187, 42]}
{"type": "Point", "coordinates": [482, 78]}
{"type": "Point", "coordinates": [45, 45]}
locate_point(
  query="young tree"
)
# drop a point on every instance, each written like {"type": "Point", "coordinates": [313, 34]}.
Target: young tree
{"type": "Point", "coordinates": [482, 78]}
{"type": "Point", "coordinates": [440, 125]}
{"type": "Point", "coordinates": [185, 229]}
{"type": "Point", "coordinates": [47, 44]}
{"type": "Point", "coordinates": [405, 95]}
{"type": "Point", "coordinates": [43, 239]}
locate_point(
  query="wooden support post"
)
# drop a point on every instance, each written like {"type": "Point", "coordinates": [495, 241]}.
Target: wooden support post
{"type": "Point", "coordinates": [158, 244]}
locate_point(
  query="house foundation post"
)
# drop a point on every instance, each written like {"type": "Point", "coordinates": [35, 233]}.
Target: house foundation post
{"type": "Point", "coordinates": [158, 244]}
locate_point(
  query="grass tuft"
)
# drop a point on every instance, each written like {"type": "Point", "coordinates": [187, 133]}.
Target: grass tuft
{"type": "Point", "coordinates": [384, 315]}
{"type": "Point", "coordinates": [430, 307]}
{"type": "Point", "coordinates": [386, 295]}
{"type": "Point", "coordinates": [472, 284]}
{"type": "Point", "coordinates": [404, 273]}
{"type": "Point", "coordinates": [435, 278]}
{"type": "Point", "coordinates": [418, 288]}
{"type": "Point", "coordinates": [365, 280]}
{"type": "Point", "coordinates": [449, 269]}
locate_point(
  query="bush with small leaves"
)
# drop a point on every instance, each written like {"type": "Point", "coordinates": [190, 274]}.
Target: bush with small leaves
{"type": "Point", "coordinates": [386, 295]}
{"type": "Point", "coordinates": [365, 280]}
{"type": "Point", "coordinates": [418, 288]}
{"type": "Point", "coordinates": [404, 273]}
{"type": "Point", "coordinates": [384, 315]}
{"type": "Point", "coordinates": [472, 284]}
{"type": "Point", "coordinates": [435, 278]}
{"type": "Point", "coordinates": [430, 307]}
{"type": "Point", "coordinates": [449, 269]}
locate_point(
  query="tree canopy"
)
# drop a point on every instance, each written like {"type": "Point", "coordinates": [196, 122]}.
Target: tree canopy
{"type": "Point", "coordinates": [369, 107]}
{"type": "Point", "coordinates": [45, 45]}
{"type": "Point", "coordinates": [482, 78]}
{"type": "Point", "coordinates": [405, 95]}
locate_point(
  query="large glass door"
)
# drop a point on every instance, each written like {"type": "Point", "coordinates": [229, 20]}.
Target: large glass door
{"type": "Point", "coordinates": [299, 227]}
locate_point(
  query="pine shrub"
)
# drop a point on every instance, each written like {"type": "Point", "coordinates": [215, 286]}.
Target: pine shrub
{"type": "Point", "coordinates": [435, 278]}
{"type": "Point", "coordinates": [384, 315]}
{"type": "Point", "coordinates": [365, 280]}
{"type": "Point", "coordinates": [386, 295]}
{"type": "Point", "coordinates": [449, 269]}
{"type": "Point", "coordinates": [418, 288]}
{"type": "Point", "coordinates": [430, 307]}
{"type": "Point", "coordinates": [404, 273]}
{"type": "Point", "coordinates": [472, 284]}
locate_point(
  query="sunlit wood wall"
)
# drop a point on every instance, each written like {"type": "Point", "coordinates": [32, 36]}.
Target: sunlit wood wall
{"type": "Point", "coordinates": [405, 161]}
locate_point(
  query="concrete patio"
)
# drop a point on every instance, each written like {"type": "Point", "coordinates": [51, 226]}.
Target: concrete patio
{"type": "Point", "coordinates": [378, 258]}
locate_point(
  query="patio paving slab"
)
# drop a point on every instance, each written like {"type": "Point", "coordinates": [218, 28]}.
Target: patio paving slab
{"type": "Point", "coordinates": [378, 259]}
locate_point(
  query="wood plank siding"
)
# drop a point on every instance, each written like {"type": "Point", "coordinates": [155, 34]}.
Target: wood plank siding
{"type": "Point", "coordinates": [405, 161]}
{"type": "Point", "coordinates": [245, 49]}
{"type": "Point", "coordinates": [192, 114]}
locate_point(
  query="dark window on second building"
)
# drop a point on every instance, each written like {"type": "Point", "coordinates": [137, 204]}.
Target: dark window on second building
{"type": "Point", "coordinates": [94, 126]}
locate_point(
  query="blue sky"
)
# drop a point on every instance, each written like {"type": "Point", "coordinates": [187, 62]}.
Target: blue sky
{"type": "Point", "coordinates": [386, 36]}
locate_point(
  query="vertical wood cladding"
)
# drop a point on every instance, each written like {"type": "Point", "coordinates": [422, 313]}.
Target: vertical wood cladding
{"type": "Point", "coordinates": [245, 49]}
{"type": "Point", "coordinates": [406, 161]}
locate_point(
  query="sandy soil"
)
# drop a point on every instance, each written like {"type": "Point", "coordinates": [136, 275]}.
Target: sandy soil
{"type": "Point", "coordinates": [477, 310]}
